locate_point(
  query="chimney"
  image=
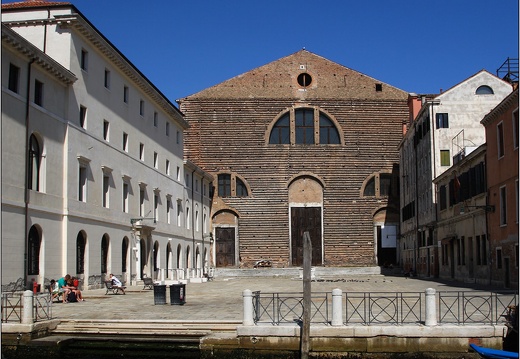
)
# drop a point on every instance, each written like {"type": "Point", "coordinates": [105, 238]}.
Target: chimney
{"type": "Point", "coordinates": [414, 106]}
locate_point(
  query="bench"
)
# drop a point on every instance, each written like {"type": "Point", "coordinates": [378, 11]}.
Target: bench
{"type": "Point", "coordinates": [112, 288]}
{"type": "Point", "coordinates": [148, 283]}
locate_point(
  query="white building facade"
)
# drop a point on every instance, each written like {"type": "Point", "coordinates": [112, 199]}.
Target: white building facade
{"type": "Point", "coordinates": [443, 129]}
{"type": "Point", "coordinates": [93, 175]}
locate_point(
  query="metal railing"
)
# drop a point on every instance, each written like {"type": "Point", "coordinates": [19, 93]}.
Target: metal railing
{"type": "Point", "coordinates": [279, 308]}
{"type": "Point", "coordinates": [475, 307]}
{"type": "Point", "coordinates": [386, 308]}
{"type": "Point", "coordinates": [13, 307]}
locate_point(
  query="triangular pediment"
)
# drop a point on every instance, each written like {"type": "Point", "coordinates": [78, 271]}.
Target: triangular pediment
{"type": "Point", "coordinates": [322, 79]}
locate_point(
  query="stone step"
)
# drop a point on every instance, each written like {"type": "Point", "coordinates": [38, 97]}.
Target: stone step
{"type": "Point", "coordinates": [132, 327]}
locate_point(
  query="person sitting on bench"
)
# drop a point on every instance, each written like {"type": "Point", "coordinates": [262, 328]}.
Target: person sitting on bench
{"type": "Point", "coordinates": [117, 283]}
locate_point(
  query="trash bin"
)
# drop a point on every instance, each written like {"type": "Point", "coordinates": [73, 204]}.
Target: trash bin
{"type": "Point", "coordinates": [159, 294]}
{"type": "Point", "coordinates": [177, 294]}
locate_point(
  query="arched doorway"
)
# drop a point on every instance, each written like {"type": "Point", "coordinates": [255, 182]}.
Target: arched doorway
{"type": "Point", "coordinates": [226, 238]}
{"type": "Point", "coordinates": [305, 205]}
{"type": "Point", "coordinates": [125, 260]}
{"type": "Point", "coordinates": [386, 229]}
{"type": "Point", "coordinates": [169, 261]}
{"type": "Point", "coordinates": [33, 250]}
{"type": "Point", "coordinates": [81, 249]}
{"type": "Point", "coordinates": [142, 258]}
{"type": "Point", "coordinates": [105, 242]}
{"type": "Point", "coordinates": [156, 257]}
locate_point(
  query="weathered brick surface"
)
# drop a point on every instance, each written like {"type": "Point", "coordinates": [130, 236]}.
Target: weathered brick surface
{"type": "Point", "coordinates": [229, 132]}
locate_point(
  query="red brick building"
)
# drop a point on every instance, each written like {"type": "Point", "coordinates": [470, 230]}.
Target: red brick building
{"type": "Point", "coordinates": [502, 178]}
{"type": "Point", "coordinates": [300, 144]}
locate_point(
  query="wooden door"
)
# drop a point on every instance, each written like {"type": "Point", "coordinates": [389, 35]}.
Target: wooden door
{"type": "Point", "coordinates": [225, 243]}
{"type": "Point", "coordinates": [305, 219]}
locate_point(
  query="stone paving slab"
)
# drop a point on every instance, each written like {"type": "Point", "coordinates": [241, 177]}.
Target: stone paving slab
{"type": "Point", "coordinates": [221, 299]}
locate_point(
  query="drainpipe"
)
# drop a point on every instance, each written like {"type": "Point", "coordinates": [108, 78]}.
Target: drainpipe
{"type": "Point", "coordinates": [27, 150]}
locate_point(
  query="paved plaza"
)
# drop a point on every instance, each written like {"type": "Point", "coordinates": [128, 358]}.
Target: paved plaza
{"type": "Point", "coordinates": [221, 299]}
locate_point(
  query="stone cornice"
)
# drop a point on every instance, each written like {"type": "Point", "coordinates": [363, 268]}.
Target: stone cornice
{"type": "Point", "coordinates": [21, 45]}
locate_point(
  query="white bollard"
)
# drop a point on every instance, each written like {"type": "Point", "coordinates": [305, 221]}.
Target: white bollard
{"type": "Point", "coordinates": [337, 307]}
{"type": "Point", "coordinates": [27, 307]}
{"type": "Point", "coordinates": [431, 309]}
{"type": "Point", "coordinates": [248, 307]}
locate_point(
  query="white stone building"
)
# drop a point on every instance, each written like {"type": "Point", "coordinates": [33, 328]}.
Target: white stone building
{"type": "Point", "coordinates": [93, 175]}
{"type": "Point", "coordinates": [443, 129]}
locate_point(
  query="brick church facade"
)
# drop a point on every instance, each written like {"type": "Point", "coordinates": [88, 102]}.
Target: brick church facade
{"type": "Point", "coordinates": [300, 144]}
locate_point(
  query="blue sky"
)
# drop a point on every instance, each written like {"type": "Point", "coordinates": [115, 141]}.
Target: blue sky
{"type": "Point", "coordinates": [418, 46]}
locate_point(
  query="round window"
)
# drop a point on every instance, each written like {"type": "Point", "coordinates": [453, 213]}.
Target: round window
{"type": "Point", "coordinates": [304, 79]}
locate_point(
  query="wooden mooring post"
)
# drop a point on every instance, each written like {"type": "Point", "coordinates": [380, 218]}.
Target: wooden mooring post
{"type": "Point", "coordinates": [306, 325]}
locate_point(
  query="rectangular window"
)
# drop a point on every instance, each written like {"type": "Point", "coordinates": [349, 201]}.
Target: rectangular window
{"type": "Point", "coordinates": [125, 141]}
{"type": "Point", "coordinates": [141, 151]}
{"type": "Point", "coordinates": [82, 188]}
{"type": "Point", "coordinates": [168, 207]}
{"type": "Point", "coordinates": [83, 116]}
{"type": "Point", "coordinates": [155, 160]}
{"type": "Point", "coordinates": [483, 250]}
{"type": "Point", "coordinates": [155, 119]}
{"type": "Point", "coordinates": [14, 78]}
{"type": "Point", "coordinates": [441, 120]}
{"type": "Point", "coordinates": [156, 207]}
{"type": "Point", "coordinates": [141, 107]}
{"type": "Point", "coordinates": [179, 214]}
{"type": "Point", "coordinates": [167, 167]}
{"type": "Point", "coordinates": [478, 250]}
{"type": "Point", "coordinates": [167, 129]}
{"type": "Point", "coordinates": [38, 93]}
{"type": "Point", "coordinates": [445, 158]}
{"type": "Point", "coordinates": [442, 198]}
{"type": "Point", "coordinates": [142, 195]}
{"type": "Point", "coordinates": [125, 94]}
{"type": "Point", "coordinates": [503, 206]}
{"type": "Point", "coordinates": [106, 187]}
{"type": "Point", "coordinates": [107, 79]}
{"type": "Point", "coordinates": [106, 127]}
{"type": "Point", "coordinates": [515, 129]}
{"type": "Point", "coordinates": [499, 258]}
{"type": "Point", "coordinates": [84, 60]}
{"type": "Point", "coordinates": [178, 137]}
{"type": "Point", "coordinates": [125, 196]}
{"type": "Point", "coordinates": [178, 173]}
{"type": "Point", "coordinates": [500, 140]}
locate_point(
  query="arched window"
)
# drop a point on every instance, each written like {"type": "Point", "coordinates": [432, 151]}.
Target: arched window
{"type": "Point", "coordinates": [80, 253]}
{"type": "Point", "coordinates": [241, 188]}
{"type": "Point", "coordinates": [370, 188]}
{"type": "Point", "coordinates": [34, 164]}
{"type": "Point", "coordinates": [231, 186]}
{"type": "Point", "coordinates": [381, 185]}
{"type": "Point", "coordinates": [33, 255]}
{"type": "Point", "coordinates": [484, 90]}
{"type": "Point", "coordinates": [104, 254]}
{"type": "Point", "coordinates": [328, 132]}
{"type": "Point", "coordinates": [281, 132]}
{"type": "Point", "coordinates": [304, 124]}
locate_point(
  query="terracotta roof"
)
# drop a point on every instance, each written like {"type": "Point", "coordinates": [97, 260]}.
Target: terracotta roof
{"type": "Point", "coordinates": [32, 3]}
